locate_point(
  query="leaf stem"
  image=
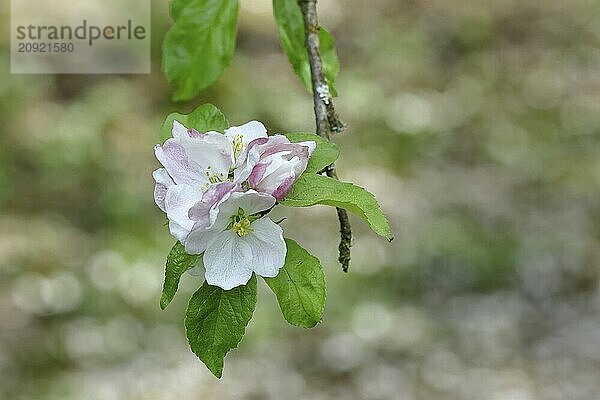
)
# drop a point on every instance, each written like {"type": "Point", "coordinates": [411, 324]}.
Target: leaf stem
{"type": "Point", "coordinates": [326, 117]}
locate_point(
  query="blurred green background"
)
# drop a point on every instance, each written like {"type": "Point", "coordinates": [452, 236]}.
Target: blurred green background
{"type": "Point", "coordinates": [475, 123]}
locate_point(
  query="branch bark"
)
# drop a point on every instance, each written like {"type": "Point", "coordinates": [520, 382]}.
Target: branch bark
{"type": "Point", "coordinates": [326, 117]}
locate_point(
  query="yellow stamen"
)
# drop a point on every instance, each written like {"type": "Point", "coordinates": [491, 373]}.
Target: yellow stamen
{"type": "Point", "coordinates": [212, 178]}
{"type": "Point", "coordinates": [238, 145]}
{"type": "Point", "coordinates": [240, 223]}
{"type": "Point", "coordinates": [242, 227]}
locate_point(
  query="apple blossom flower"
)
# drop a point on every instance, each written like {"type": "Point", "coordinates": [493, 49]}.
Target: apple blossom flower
{"type": "Point", "coordinates": [192, 162]}
{"type": "Point", "coordinates": [215, 189]}
{"type": "Point", "coordinates": [272, 165]}
{"type": "Point", "coordinates": [235, 241]}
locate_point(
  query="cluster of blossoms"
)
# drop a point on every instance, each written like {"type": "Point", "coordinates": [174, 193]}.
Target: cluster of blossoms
{"type": "Point", "coordinates": [216, 190]}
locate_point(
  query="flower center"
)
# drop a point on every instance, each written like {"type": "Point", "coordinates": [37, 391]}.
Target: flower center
{"type": "Point", "coordinates": [240, 223]}
{"type": "Point", "coordinates": [213, 178]}
{"type": "Point", "coordinates": [238, 145]}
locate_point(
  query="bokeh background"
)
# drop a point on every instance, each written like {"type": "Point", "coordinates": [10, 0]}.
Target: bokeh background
{"type": "Point", "coordinates": [476, 124]}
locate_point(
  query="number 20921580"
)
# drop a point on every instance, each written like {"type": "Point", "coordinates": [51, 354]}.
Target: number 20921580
{"type": "Point", "coordinates": [45, 47]}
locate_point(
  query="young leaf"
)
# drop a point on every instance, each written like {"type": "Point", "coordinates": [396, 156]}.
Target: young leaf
{"type": "Point", "coordinates": [311, 189]}
{"type": "Point", "coordinates": [200, 45]}
{"type": "Point", "coordinates": [300, 287]}
{"type": "Point", "coordinates": [292, 37]}
{"type": "Point", "coordinates": [204, 118]}
{"type": "Point", "coordinates": [216, 321]}
{"type": "Point", "coordinates": [178, 261]}
{"type": "Point", "coordinates": [325, 153]}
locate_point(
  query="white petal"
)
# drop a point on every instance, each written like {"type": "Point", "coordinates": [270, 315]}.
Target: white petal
{"type": "Point", "coordinates": [179, 130]}
{"type": "Point", "coordinates": [250, 201]}
{"type": "Point", "coordinates": [276, 162]}
{"type": "Point", "coordinates": [209, 219]}
{"type": "Point", "coordinates": [268, 247]}
{"type": "Point", "coordinates": [178, 201]}
{"type": "Point", "coordinates": [205, 212]}
{"type": "Point", "coordinates": [219, 216]}
{"type": "Point", "coordinates": [189, 153]}
{"type": "Point", "coordinates": [163, 182]}
{"type": "Point", "coordinates": [197, 240]}
{"type": "Point", "coordinates": [228, 261]}
{"type": "Point", "coordinates": [246, 164]}
{"type": "Point", "coordinates": [162, 176]}
{"type": "Point", "coordinates": [173, 156]}
{"type": "Point", "coordinates": [274, 177]}
{"type": "Point", "coordinates": [249, 131]}
{"type": "Point", "coordinates": [178, 231]}
{"type": "Point", "coordinates": [210, 149]}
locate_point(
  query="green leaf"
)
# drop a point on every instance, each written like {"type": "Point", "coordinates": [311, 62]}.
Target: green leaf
{"type": "Point", "coordinates": [325, 153]}
{"type": "Point", "coordinates": [300, 287]}
{"type": "Point", "coordinates": [176, 7]}
{"type": "Point", "coordinates": [200, 45]}
{"type": "Point", "coordinates": [216, 321]}
{"type": "Point", "coordinates": [292, 37]}
{"type": "Point", "coordinates": [204, 118]}
{"type": "Point", "coordinates": [311, 189]}
{"type": "Point", "coordinates": [178, 261]}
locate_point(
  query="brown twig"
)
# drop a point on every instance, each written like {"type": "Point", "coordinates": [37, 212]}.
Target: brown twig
{"type": "Point", "coordinates": [326, 117]}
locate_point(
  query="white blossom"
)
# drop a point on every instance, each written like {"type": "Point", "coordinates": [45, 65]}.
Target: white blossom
{"type": "Point", "coordinates": [201, 190]}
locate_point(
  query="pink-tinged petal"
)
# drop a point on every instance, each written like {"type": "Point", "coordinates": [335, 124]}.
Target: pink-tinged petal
{"type": "Point", "coordinates": [312, 145]}
{"type": "Point", "coordinates": [214, 219]}
{"type": "Point", "coordinates": [257, 174]}
{"type": "Point", "coordinates": [163, 182]}
{"type": "Point", "coordinates": [173, 156]}
{"type": "Point", "coordinates": [210, 149]}
{"type": "Point", "coordinates": [180, 131]}
{"type": "Point", "coordinates": [278, 144]}
{"type": "Point", "coordinates": [257, 142]}
{"type": "Point", "coordinates": [178, 201]}
{"type": "Point", "coordinates": [273, 165]}
{"type": "Point", "coordinates": [249, 131]}
{"type": "Point", "coordinates": [160, 192]}
{"type": "Point", "coordinates": [194, 133]}
{"type": "Point", "coordinates": [196, 154]}
{"type": "Point", "coordinates": [285, 188]}
{"type": "Point", "coordinates": [205, 211]}
{"type": "Point", "coordinates": [281, 144]}
{"type": "Point", "coordinates": [278, 174]}
{"type": "Point", "coordinates": [247, 161]}
{"type": "Point", "coordinates": [208, 217]}
{"type": "Point", "coordinates": [251, 154]}
{"type": "Point", "coordinates": [228, 261]}
{"type": "Point", "coordinates": [268, 247]}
